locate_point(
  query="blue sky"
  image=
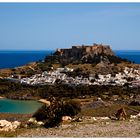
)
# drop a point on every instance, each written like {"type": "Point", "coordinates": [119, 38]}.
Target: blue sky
{"type": "Point", "coordinates": [45, 26]}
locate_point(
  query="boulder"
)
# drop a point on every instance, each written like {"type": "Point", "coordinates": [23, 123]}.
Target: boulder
{"type": "Point", "coordinates": [32, 120]}
{"type": "Point", "coordinates": [99, 99]}
{"type": "Point", "coordinates": [40, 123]}
{"type": "Point", "coordinates": [133, 116]}
{"type": "Point", "coordinates": [66, 118]}
{"type": "Point", "coordinates": [16, 124]}
{"type": "Point", "coordinates": [8, 126]}
{"type": "Point", "coordinates": [3, 123]}
{"type": "Point", "coordinates": [94, 119]}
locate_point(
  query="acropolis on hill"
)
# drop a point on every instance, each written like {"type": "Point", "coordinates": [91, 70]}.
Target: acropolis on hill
{"type": "Point", "coordinates": [79, 51]}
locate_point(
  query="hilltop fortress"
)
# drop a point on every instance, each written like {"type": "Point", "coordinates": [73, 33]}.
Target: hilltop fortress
{"type": "Point", "coordinates": [92, 54]}
{"type": "Point", "coordinates": [80, 51]}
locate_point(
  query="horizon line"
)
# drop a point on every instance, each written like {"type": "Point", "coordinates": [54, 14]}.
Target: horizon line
{"type": "Point", "coordinates": [55, 49]}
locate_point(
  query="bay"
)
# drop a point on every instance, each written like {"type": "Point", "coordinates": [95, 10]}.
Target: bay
{"type": "Point", "coordinates": [18, 106]}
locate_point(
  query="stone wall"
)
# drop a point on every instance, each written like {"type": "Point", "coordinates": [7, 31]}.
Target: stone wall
{"type": "Point", "coordinates": [79, 51]}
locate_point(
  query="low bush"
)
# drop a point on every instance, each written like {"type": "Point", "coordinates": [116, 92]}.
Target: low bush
{"type": "Point", "coordinates": [52, 115]}
{"type": "Point", "coordinates": [71, 108]}
{"type": "Point", "coordinates": [41, 113]}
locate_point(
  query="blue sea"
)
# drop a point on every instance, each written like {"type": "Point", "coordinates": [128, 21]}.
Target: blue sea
{"type": "Point", "coordinates": [11, 59]}
{"type": "Point", "coordinates": [132, 55]}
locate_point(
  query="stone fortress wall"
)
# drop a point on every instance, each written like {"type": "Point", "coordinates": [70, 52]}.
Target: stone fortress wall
{"type": "Point", "coordinates": [79, 51]}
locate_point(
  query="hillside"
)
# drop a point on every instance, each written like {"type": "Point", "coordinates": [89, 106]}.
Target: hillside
{"type": "Point", "coordinates": [88, 59]}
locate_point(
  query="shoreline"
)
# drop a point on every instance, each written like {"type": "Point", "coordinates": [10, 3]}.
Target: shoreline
{"type": "Point", "coordinates": [44, 101]}
{"type": "Point", "coordinates": [1, 97]}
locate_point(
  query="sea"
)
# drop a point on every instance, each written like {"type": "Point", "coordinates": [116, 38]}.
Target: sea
{"type": "Point", "coordinates": [132, 55]}
{"type": "Point", "coordinates": [12, 59]}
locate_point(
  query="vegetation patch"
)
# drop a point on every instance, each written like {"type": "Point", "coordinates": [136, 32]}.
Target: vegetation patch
{"type": "Point", "coordinates": [52, 115]}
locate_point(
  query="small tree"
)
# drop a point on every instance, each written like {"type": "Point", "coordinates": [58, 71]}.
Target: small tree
{"type": "Point", "coordinates": [52, 115]}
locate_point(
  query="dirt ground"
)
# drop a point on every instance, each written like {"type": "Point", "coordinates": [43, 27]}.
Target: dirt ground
{"type": "Point", "coordinates": [89, 128]}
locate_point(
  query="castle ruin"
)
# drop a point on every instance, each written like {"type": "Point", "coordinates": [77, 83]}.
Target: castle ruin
{"type": "Point", "coordinates": [80, 51]}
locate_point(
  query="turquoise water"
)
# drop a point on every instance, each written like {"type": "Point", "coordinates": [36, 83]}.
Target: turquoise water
{"type": "Point", "coordinates": [18, 106]}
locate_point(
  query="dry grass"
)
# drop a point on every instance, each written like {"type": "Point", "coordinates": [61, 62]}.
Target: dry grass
{"type": "Point", "coordinates": [5, 72]}
{"type": "Point", "coordinates": [55, 66]}
{"type": "Point", "coordinates": [101, 111]}
{"type": "Point", "coordinates": [12, 133]}
{"type": "Point", "coordinates": [13, 117]}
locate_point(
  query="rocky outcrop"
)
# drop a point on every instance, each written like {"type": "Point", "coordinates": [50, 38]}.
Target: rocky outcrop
{"type": "Point", "coordinates": [94, 54]}
{"type": "Point", "coordinates": [9, 126]}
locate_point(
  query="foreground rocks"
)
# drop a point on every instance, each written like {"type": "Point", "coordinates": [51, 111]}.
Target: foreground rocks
{"type": "Point", "coordinates": [9, 126]}
{"type": "Point", "coordinates": [85, 126]}
{"type": "Point", "coordinates": [32, 122]}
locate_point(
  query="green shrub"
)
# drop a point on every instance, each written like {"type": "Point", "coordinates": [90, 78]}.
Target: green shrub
{"type": "Point", "coordinates": [72, 108]}
{"type": "Point", "coordinates": [52, 115]}
{"type": "Point", "coordinates": [41, 113]}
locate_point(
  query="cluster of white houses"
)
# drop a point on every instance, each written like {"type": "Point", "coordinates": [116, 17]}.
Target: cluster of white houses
{"type": "Point", "coordinates": [129, 75]}
{"type": "Point", "coordinates": [60, 75]}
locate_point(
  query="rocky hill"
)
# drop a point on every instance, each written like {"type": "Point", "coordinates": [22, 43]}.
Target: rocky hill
{"type": "Point", "coordinates": [92, 54]}
{"type": "Point", "coordinates": [88, 59]}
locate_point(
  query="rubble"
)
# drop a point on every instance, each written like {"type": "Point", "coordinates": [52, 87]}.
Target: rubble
{"type": "Point", "coordinates": [9, 126]}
